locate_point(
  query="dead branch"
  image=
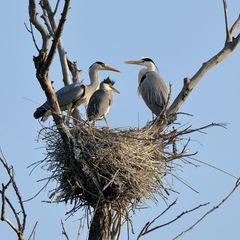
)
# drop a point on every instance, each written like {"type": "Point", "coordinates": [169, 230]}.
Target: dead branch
{"type": "Point", "coordinates": [189, 84]}
{"type": "Point", "coordinates": [32, 34]}
{"type": "Point", "coordinates": [32, 9]}
{"type": "Point", "coordinates": [32, 234]}
{"type": "Point", "coordinates": [64, 232]}
{"type": "Point", "coordinates": [146, 229]}
{"type": "Point", "coordinates": [62, 55]}
{"type": "Point", "coordinates": [74, 70]}
{"type": "Point", "coordinates": [237, 184]}
{"type": "Point", "coordinates": [148, 224]}
{"type": "Point", "coordinates": [56, 7]}
{"type": "Point", "coordinates": [43, 62]}
{"type": "Point", "coordinates": [19, 216]}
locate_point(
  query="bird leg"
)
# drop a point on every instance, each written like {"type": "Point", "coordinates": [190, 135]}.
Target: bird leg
{"type": "Point", "coordinates": [106, 121]}
{"type": "Point", "coordinates": [70, 110]}
{"type": "Point", "coordinates": [94, 123]}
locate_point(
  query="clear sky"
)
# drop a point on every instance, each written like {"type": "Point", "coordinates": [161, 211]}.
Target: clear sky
{"type": "Point", "coordinates": [179, 36]}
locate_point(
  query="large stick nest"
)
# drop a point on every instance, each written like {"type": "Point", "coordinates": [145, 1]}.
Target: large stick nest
{"type": "Point", "coordinates": [123, 166]}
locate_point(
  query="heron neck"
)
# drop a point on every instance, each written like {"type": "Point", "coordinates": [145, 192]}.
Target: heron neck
{"type": "Point", "coordinates": [148, 68]}
{"type": "Point", "coordinates": [151, 67]}
{"type": "Point", "coordinates": [94, 80]}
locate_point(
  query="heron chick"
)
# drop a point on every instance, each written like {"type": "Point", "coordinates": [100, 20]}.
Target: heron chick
{"type": "Point", "coordinates": [151, 86]}
{"type": "Point", "coordinates": [101, 101]}
{"type": "Point", "coordinates": [73, 95]}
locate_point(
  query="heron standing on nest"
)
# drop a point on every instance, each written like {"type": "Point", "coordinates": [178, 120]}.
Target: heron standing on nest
{"type": "Point", "coordinates": [101, 101]}
{"type": "Point", "coordinates": [71, 96]}
{"type": "Point", "coordinates": [151, 86]}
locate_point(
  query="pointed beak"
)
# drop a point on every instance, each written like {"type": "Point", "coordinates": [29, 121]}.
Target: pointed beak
{"type": "Point", "coordinates": [110, 68]}
{"type": "Point", "coordinates": [138, 62]}
{"type": "Point", "coordinates": [115, 90]}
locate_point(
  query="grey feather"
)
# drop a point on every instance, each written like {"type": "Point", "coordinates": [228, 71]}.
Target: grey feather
{"type": "Point", "coordinates": [99, 104]}
{"type": "Point", "coordinates": [66, 96]}
{"type": "Point", "coordinates": [154, 91]}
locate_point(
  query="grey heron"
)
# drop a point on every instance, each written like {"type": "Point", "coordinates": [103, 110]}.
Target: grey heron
{"type": "Point", "coordinates": [151, 86]}
{"type": "Point", "coordinates": [101, 101]}
{"type": "Point", "coordinates": [71, 96]}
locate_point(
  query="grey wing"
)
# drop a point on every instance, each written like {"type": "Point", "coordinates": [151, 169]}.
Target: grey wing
{"type": "Point", "coordinates": [154, 91]}
{"type": "Point", "coordinates": [69, 94]}
{"type": "Point", "coordinates": [99, 104]}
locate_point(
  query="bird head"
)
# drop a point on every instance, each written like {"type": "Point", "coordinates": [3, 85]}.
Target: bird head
{"type": "Point", "coordinates": [108, 85]}
{"type": "Point", "coordinates": [102, 66]}
{"type": "Point", "coordinates": [145, 61]}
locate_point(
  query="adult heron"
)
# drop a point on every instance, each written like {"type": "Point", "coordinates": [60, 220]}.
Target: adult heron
{"type": "Point", "coordinates": [71, 96]}
{"type": "Point", "coordinates": [101, 101]}
{"type": "Point", "coordinates": [151, 86]}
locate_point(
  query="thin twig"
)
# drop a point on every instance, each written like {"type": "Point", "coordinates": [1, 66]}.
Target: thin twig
{"type": "Point", "coordinates": [237, 184]}
{"type": "Point", "coordinates": [228, 34]}
{"type": "Point", "coordinates": [20, 228]}
{"type": "Point", "coordinates": [64, 233]}
{"type": "Point", "coordinates": [31, 237]}
{"type": "Point", "coordinates": [32, 34]}
{"type": "Point", "coordinates": [56, 7]}
{"type": "Point", "coordinates": [148, 224]}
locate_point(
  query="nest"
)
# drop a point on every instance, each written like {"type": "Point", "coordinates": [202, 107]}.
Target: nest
{"type": "Point", "coordinates": [124, 167]}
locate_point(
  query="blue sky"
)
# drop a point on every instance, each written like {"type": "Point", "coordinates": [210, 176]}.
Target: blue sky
{"type": "Point", "coordinates": [179, 36]}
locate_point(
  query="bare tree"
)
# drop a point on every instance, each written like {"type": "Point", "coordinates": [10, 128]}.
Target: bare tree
{"type": "Point", "coordinates": [86, 175]}
{"type": "Point", "coordinates": [18, 223]}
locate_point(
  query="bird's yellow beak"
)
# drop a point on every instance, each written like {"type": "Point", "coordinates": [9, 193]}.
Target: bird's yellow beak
{"type": "Point", "coordinates": [115, 90]}
{"type": "Point", "coordinates": [110, 68]}
{"type": "Point", "coordinates": [134, 62]}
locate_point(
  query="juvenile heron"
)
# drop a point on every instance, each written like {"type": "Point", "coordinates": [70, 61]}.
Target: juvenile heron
{"type": "Point", "coordinates": [151, 86]}
{"type": "Point", "coordinates": [101, 101]}
{"type": "Point", "coordinates": [71, 96]}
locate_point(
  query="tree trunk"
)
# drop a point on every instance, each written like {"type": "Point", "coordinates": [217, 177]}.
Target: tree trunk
{"type": "Point", "coordinates": [100, 225]}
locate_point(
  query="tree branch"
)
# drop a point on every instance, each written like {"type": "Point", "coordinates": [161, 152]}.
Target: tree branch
{"type": "Point", "coordinates": [32, 10]}
{"type": "Point", "coordinates": [56, 37]}
{"type": "Point", "coordinates": [20, 228]}
{"type": "Point", "coordinates": [62, 55]}
{"type": "Point", "coordinates": [64, 231]}
{"type": "Point", "coordinates": [189, 84]}
{"type": "Point", "coordinates": [237, 184]}
{"type": "Point", "coordinates": [146, 229]}
{"type": "Point", "coordinates": [32, 34]}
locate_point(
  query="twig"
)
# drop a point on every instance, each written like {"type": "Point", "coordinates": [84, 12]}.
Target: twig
{"type": "Point", "coordinates": [56, 7]}
{"type": "Point", "coordinates": [228, 34]}
{"type": "Point", "coordinates": [21, 223]}
{"type": "Point", "coordinates": [64, 231]}
{"type": "Point", "coordinates": [237, 184]}
{"type": "Point", "coordinates": [214, 167]}
{"type": "Point", "coordinates": [145, 230]}
{"type": "Point", "coordinates": [31, 237]}
{"type": "Point", "coordinates": [148, 224]}
{"type": "Point", "coordinates": [32, 34]}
